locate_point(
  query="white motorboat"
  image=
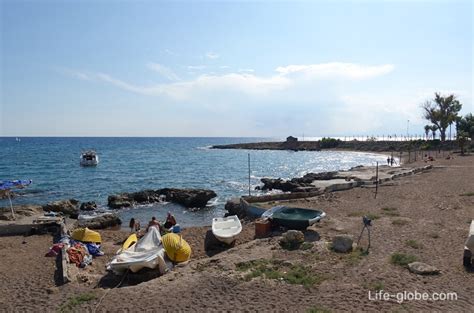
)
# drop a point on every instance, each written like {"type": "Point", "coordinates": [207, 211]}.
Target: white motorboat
{"type": "Point", "coordinates": [226, 229]}
{"type": "Point", "coordinates": [89, 158]}
{"type": "Point", "coordinates": [147, 252]}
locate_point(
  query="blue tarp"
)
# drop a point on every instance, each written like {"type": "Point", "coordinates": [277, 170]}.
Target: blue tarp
{"type": "Point", "coordinates": [9, 184]}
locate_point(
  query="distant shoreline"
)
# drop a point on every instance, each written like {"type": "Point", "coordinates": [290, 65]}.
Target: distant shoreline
{"type": "Point", "coordinates": [339, 145]}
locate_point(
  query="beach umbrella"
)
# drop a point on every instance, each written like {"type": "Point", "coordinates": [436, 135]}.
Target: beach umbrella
{"type": "Point", "coordinates": [7, 185]}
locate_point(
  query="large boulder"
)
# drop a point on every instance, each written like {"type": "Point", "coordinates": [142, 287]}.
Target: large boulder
{"type": "Point", "coordinates": [67, 207]}
{"type": "Point", "coordinates": [190, 198]}
{"type": "Point", "coordinates": [342, 243]}
{"type": "Point", "coordinates": [423, 268]}
{"type": "Point", "coordinates": [88, 206]}
{"type": "Point", "coordinates": [100, 222]}
{"type": "Point", "coordinates": [119, 201]}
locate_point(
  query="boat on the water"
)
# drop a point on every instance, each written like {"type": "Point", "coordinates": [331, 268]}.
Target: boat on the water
{"type": "Point", "coordinates": [147, 252]}
{"type": "Point", "coordinates": [226, 229]}
{"type": "Point", "coordinates": [294, 218]}
{"type": "Point", "coordinates": [89, 158]}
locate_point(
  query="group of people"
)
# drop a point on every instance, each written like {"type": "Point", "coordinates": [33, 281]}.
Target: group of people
{"type": "Point", "coordinates": [170, 221]}
{"type": "Point", "coordinates": [390, 161]}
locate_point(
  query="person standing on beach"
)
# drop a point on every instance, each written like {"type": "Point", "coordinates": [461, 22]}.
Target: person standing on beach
{"type": "Point", "coordinates": [154, 223]}
{"type": "Point", "coordinates": [132, 224]}
{"type": "Point", "coordinates": [388, 160]}
{"type": "Point", "coordinates": [391, 161]}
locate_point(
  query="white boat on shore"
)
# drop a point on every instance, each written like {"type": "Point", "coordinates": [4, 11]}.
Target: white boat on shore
{"type": "Point", "coordinates": [89, 158]}
{"type": "Point", "coordinates": [226, 229]}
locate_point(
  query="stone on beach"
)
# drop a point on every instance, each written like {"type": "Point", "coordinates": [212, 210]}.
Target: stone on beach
{"type": "Point", "coordinates": [342, 243]}
{"type": "Point", "coordinates": [423, 268]}
{"type": "Point", "coordinates": [292, 238]}
{"type": "Point", "coordinates": [19, 210]}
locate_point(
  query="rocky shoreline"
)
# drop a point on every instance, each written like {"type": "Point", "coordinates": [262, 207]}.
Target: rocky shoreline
{"type": "Point", "coordinates": [72, 208]}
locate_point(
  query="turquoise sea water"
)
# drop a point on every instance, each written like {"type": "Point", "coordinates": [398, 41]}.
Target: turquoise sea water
{"type": "Point", "coordinates": [132, 164]}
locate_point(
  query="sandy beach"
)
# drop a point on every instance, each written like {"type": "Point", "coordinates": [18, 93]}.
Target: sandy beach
{"type": "Point", "coordinates": [426, 215]}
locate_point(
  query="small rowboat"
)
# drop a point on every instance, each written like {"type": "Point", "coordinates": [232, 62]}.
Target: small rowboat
{"type": "Point", "coordinates": [226, 229]}
{"type": "Point", "coordinates": [295, 218]}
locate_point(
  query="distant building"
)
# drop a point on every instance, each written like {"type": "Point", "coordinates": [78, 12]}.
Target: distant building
{"type": "Point", "coordinates": [291, 139]}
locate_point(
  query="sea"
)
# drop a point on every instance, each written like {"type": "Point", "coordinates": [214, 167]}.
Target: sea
{"type": "Point", "coordinates": [133, 164]}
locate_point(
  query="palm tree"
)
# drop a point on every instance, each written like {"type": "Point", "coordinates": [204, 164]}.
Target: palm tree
{"type": "Point", "coordinates": [434, 128]}
{"type": "Point", "coordinates": [427, 131]}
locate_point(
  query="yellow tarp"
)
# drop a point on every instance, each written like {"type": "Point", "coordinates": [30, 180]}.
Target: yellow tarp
{"type": "Point", "coordinates": [176, 248]}
{"type": "Point", "coordinates": [86, 235]}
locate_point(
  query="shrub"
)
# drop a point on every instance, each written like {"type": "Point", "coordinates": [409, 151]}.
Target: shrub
{"type": "Point", "coordinates": [402, 259]}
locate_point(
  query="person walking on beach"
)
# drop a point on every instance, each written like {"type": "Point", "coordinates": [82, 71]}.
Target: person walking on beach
{"type": "Point", "coordinates": [391, 161]}
{"type": "Point", "coordinates": [388, 160]}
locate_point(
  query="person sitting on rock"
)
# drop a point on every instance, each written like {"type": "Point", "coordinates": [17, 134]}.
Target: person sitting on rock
{"type": "Point", "coordinates": [170, 221]}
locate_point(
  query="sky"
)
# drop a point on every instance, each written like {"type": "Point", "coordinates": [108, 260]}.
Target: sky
{"type": "Point", "coordinates": [230, 69]}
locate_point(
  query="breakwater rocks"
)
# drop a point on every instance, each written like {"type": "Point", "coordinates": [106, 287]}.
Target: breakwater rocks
{"type": "Point", "coordinates": [190, 198]}
{"type": "Point", "coordinates": [353, 145]}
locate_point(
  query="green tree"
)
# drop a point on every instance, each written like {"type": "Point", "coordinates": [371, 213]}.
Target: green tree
{"type": "Point", "coordinates": [462, 138]}
{"type": "Point", "coordinates": [465, 125]}
{"type": "Point", "coordinates": [441, 111]}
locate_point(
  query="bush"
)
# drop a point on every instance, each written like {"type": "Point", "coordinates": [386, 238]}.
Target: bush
{"type": "Point", "coordinates": [329, 143]}
{"type": "Point", "coordinates": [402, 259]}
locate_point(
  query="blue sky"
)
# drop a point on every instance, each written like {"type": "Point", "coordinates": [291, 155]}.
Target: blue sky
{"type": "Point", "coordinates": [192, 68]}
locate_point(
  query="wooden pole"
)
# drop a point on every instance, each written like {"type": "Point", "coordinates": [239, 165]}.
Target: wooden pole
{"type": "Point", "coordinates": [249, 175]}
{"type": "Point", "coordinates": [376, 180]}
{"type": "Point", "coordinates": [11, 205]}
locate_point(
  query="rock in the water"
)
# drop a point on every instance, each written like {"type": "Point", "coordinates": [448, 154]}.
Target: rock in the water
{"type": "Point", "coordinates": [190, 198]}
{"type": "Point", "coordinates": [100, 222]}
{"type": "Point", "coordinates": [423, 268]}
{"type": "Point", "coordinates": [342, 243]}
{"type": "Point", "coordinates": [120, 201]}
{"type": "Point", "coordinates": [292, 239]}
{"type": "Point", "coordinates": [67, 207]}
{"type": "Point", "coordinates": [88, 206]}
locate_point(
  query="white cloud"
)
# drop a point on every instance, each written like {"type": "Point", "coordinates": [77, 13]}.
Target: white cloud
{"type": "Point", "coordinates": [196, 67]}
{"type": "Point", "coordinates": [164, 71]}
{"type": "Point", "coordinates": [336, 70]}
{"type": "Point", "coordinates": [205, 86]}
{"type": "Point", "coordinates": [212, 55]}
{"type": "Point", "coordinates": [246, 70]}
{"type": "Point", "coordinates": [224, 66]}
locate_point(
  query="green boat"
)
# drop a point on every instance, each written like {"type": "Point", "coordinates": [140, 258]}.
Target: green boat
{"type": "Point", "coordinates": [295, 218]}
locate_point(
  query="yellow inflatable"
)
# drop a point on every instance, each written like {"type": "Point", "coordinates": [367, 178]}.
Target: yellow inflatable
{"type": "Point", "coordinates": [131, 240]}
{"type": "Point", "coordinates": [86, 235]}
{"type": "Point", "coordinates": [176, 248]}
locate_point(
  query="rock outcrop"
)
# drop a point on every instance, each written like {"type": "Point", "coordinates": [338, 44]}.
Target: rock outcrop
{"type": "Point", "coordinates": [88, 206]}
{"type": "Point", "coordinates": [67, 207]}
{"type": "Point", "coordinates": [190, 198]}
{"type": "Point", "coordinates": [100, 222]}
